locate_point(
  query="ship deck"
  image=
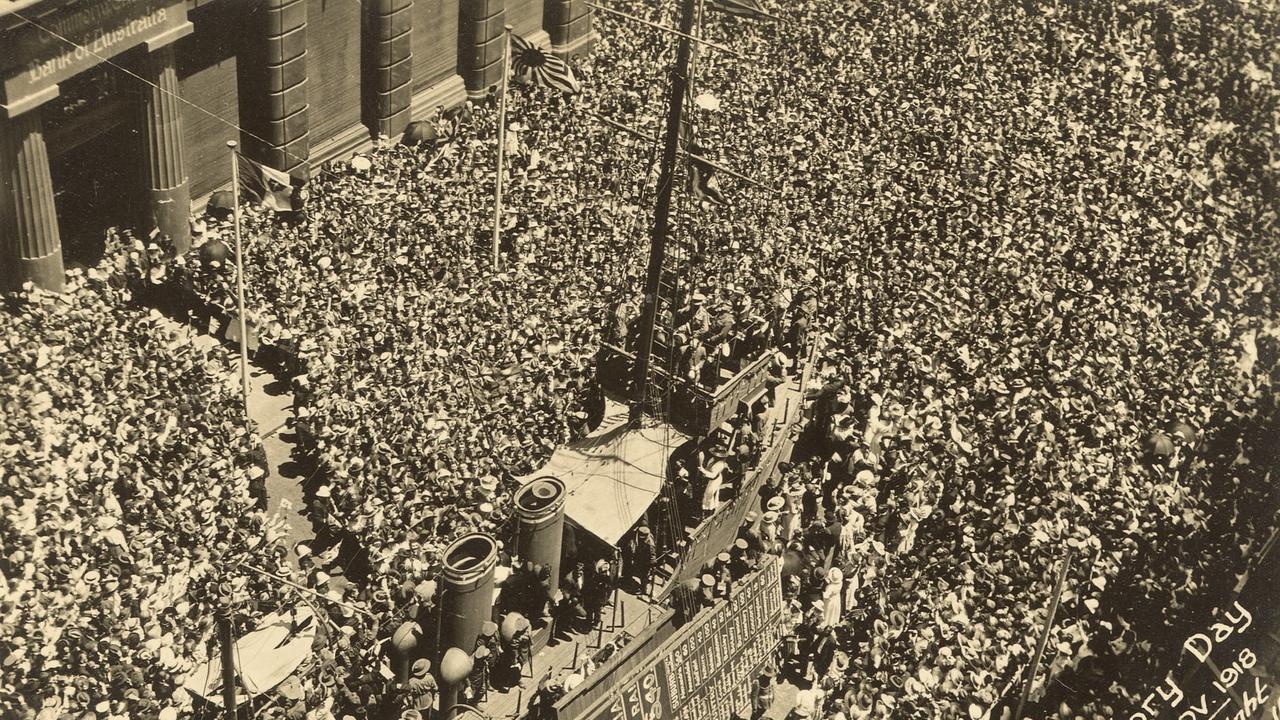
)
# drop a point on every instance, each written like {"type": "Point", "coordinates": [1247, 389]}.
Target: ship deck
{"type": "Point", "coordinates": [631, 614]}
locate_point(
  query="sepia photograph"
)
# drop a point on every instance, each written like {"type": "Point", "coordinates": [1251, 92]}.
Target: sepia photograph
{"type": "Point", "coordinates": [639, 360]}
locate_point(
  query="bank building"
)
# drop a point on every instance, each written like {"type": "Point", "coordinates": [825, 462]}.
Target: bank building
{"type": "Point", "coordinates": [117, 112]}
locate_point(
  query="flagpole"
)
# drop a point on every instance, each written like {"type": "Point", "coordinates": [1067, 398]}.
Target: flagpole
{"type": "Point", "coordinates": [502, 141]}
{"type": "Point", "coordinates": [662, 214]}
{"type": "Point", "coordinates": [235, 205]}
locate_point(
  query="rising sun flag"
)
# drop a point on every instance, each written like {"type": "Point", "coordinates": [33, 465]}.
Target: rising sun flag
{"type": "Point", "coordinates": [541, 66]}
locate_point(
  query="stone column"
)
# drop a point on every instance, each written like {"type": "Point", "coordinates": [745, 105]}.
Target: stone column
{"type": "Point", "coordinates": [568, 24]}
{"type": "Point", "coordinates": [170, 207]}
{"type": "Point", "coordinates": [278, 111]}
{"type": "Point", "coordinates": [30, 248]}
{"type": "Point", "coordinates": [388, 65]}
{"type": "Point", "coordinates": [480, 44]}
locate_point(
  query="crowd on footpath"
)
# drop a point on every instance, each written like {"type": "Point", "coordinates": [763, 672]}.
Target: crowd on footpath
{"type": "Point", "coordinates": [130, 481]}
{"type": "Point", "coordinates": [1033, 243]}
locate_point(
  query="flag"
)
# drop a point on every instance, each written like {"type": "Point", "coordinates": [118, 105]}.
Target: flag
{"type": "Point", "coordinates": [270, 187]}
{"type": "Point", "coordinates": [702, 179]}
{"type": "Point", "coordinates": [542, 66]}
{"type": "Point", "coordinates": [751, 9]}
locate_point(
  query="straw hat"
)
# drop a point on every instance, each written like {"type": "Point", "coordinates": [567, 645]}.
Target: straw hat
{"type": "Point", "coordinates": [291, 688]}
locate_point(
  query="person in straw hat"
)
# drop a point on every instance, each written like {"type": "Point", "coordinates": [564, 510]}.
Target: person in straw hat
{"type": "Point", "coordinates": [420, 690]}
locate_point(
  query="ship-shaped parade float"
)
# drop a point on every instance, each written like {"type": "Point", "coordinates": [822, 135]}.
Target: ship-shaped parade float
{"type": "Point", "coordinates": [674, 608]}
{"type": "Point", "coordinates": [635, 583]}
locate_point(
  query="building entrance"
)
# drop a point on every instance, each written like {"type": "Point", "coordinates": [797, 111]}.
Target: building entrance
{"type": "Point", "coordinates": [94, 137]}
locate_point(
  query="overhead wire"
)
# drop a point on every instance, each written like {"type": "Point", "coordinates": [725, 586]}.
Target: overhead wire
{"type": "Point", "coordinates": [242, 131]}
{"type": "Point", "coordinates": [108, 61]}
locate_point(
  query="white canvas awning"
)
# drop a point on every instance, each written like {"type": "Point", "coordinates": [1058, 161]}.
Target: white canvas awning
{"type": "Point", "coordinates": [263, 658]}
{"type": "Point", "coordinates": [612, 475]}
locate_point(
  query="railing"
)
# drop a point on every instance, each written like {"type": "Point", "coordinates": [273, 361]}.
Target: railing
{"type": "Point", "coordinates": [718, 531]}
{"type": "Point", "coordinates": [692, 408]}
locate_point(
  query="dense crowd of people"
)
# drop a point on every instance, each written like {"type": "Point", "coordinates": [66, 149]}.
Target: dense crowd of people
{"type": "Point", "coordinates": [1033, 244]}
{"type": "Point", "coordinates": [128, 478]}
{"type": "Point", "coordinates": [1051, 326]}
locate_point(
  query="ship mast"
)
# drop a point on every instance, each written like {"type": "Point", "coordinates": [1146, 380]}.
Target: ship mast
{"type": "Point", "coordinates": [662, 213]}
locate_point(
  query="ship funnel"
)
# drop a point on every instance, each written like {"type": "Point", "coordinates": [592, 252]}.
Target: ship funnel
{"type": "Point", "coordinates": [467, 600]}
{"type": "Point", "coordinates": [540, 529]}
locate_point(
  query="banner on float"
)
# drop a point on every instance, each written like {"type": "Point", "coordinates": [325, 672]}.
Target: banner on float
{"type": "Point", "coordinates": [706, 670]}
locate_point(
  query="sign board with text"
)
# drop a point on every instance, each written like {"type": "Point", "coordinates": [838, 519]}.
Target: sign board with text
{"type": "Point", "coordinates": [54, 46]}
{"type": "Point", "coordinates": [705, 671]}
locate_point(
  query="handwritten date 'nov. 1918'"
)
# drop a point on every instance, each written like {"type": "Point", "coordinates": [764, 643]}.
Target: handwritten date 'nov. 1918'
{"type": "Point", "coordinates": [1211, 704]}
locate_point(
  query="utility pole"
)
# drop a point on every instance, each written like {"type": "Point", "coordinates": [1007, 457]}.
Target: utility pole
{"type": "Point", "coordinates": [1044, 633]}
{"type": "Point", "coordinates": [502, 146]}
{"type": "Point", "coordinates": [662, 211]}
{"type": "Point", "coordinates": [240, 319]}
{"type": "Point", "coordinates": [228, 664]}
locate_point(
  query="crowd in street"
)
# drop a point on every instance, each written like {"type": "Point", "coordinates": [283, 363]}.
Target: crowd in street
{"type": "Point", "coordinates": [1034, 245]}
{"type": "Point", "coordinates": [1050, 326]}
{"type": "Point", "coordinates": [129, 480]}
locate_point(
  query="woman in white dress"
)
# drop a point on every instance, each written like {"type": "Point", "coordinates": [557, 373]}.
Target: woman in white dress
{"type": "Point", "coordinates": [832, 599]}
